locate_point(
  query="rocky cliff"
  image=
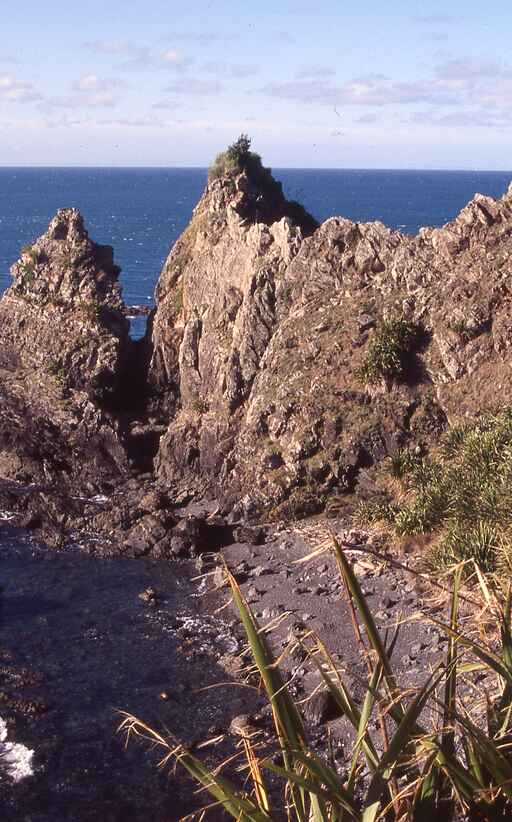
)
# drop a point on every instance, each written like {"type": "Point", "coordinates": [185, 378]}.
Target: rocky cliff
{"type": "Point", "coordinates": [253, 386]}
{"type": "Point", "coordinates": [264, 321]}
{"type": "Point", "coordinates": [63, 343]}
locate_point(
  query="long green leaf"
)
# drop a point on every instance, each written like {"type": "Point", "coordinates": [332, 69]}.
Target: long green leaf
{"type": "Point", "coordinates": [287, 719]}
{"type": "Point", "coordinates": [371, 629]}
{"type": "Point", "coordinates": [315, 787]}
{"type": "Point", "coordinates": [398, 744]}
{"type": "Point", "coordinates": [490, 659]}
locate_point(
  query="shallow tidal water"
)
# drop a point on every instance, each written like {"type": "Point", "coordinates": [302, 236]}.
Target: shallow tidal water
{"type": "Point", "coordinates": [77, 644]}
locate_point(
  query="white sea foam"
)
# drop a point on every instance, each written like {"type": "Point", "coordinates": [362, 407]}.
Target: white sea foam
{"type": "Point", "coordinates": [15, 759]}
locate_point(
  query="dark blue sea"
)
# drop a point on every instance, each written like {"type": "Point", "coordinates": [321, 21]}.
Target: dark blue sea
{"type": "Point", "coordinates": [141, 212]}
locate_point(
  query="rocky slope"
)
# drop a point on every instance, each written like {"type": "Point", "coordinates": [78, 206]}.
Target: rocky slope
{"type": "Point", "coordinates": [247, 388]}
{"type": "Point", "coordinates": [63, 345]}
{"type": "Point", "coordinates": [262, 323]}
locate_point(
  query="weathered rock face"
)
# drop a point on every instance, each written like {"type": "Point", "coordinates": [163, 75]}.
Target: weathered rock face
{"type": "Point", "coordinates": [63, 341]}
{"type": "Point", "coordinates": [261, 325]}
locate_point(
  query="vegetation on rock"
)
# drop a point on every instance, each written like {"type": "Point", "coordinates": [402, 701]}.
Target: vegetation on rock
{"type": "Point", "coordinates": [389, 351]}
{"type": "Point", "coordinates": [461, 496]}
{"type": "Point", "coordinates": [238, 157]}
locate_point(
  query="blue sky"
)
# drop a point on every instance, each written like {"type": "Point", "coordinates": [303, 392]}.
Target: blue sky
{"type": "Point", "coordinates": [326, 84]}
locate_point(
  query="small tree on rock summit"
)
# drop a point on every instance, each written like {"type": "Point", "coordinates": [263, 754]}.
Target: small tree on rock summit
{"type": "Point", "coordinates": [238, 157]}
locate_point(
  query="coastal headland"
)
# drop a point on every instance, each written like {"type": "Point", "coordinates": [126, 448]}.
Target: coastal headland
{"type": "Point", "coordinates": [255, 414]}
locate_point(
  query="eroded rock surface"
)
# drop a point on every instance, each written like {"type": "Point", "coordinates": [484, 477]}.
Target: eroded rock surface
{"type": "Point", "coordinates": [247, 388]}
{"type": "Point", "coordinates": [262, 322]}
{"type": "Point", "coordinates": [63, 344]}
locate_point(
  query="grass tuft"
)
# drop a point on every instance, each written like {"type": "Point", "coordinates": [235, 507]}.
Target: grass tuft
{"type": "Point", "coordinates": [462, 496]}
{"type": "Point", "coordinates": [402, 765]}
{"type": "Point", "coordinates": [389, 352]}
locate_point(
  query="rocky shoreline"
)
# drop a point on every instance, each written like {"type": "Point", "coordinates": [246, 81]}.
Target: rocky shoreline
{"type": "Point", "coordinates": [82, 639]}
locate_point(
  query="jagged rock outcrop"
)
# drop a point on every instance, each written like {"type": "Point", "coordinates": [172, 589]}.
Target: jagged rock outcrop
{"type": "Point", "coordinates": [63, 343]}
{"type": "Point", "coordinates": [262, 324]}
{"type": "Point", "coordinates": [248, 386]}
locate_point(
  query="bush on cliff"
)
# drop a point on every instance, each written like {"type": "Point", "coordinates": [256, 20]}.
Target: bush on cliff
{"type": "Point", "coordinates": [389, 352]}
{"type": "Point", "coordinates": [460, 497]}
{"type": "Point", "coordinates": [238, 157]}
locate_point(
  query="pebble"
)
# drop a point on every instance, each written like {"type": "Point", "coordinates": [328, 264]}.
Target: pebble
{"type": "Point", "coordinates": [259, 571]}
{"type": "Point", "coordinates": [415, 649]}
{"type": "Point", "coordinates": [148, 595]}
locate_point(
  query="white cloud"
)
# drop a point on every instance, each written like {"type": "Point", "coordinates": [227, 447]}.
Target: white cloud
{"type": "Point", "coordinates": [462, 119]}
{"type": "Point", "coordinates": [369, 90]}
{"type": "Point", "coordinates": [17, 91]}
{"type": "Point", "coordinates": [89, 91]}
{"type": "Point", "coordinates": [173, 60]}
{"type": "Point", "coordinates": [463, 82]}
{"type": "Point", "coordinates": [101, 99]}
{"type": "Point", "coordinates": [172, 56]}
{"type": "Point", "coordinates": [166, 104]}
{"type": "Point", "coordinates": [146, 121]}
{"type": "Point", "coordinates": [92, 83]}
{"type": "Point", "coordinates": [430, 19]}
{"type": "Point", "coordinates": [315, 73]}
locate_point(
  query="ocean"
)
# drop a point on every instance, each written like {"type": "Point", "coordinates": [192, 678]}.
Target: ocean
{"type": "Point", "coordinates": [142, 211]}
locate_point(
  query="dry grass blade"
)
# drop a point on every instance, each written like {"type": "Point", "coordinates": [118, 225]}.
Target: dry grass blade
{"type": "Point", "coordinates": [240, 807]}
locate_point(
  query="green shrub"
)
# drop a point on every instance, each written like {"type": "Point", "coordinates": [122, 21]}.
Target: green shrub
{"type": "Point", "coordinates": [237, 158]}
{"type": "Point", "coordinates": [199, 405]}
{"type": "Point", "coordinates": [90, 310]}
{"type": "Point", "coordinates": [402, 462]}
{"type": "Point", "coordinates": [177, 298]}
{"type": "Point", "coordinates": [462, 496]}
{"type": "Point", "coordinates": [389, 352]}
{"type": "Point", "coordinates": [31, 252]}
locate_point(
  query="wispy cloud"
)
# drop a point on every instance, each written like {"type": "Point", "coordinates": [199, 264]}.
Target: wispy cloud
{"type": "Point", "coordinates": [200, 38]}
{"type": "Point", "coordinates": [166, 104]}
{"type": "Point", "coordinates": [369, 90]}
{"type": "Point", "coordinates": [367, 119]}
{"type": "Point", "coordinates": [17, 91]}
{"type": "Point", "coordinates": [104, 99]}
{"type": "Point", "coordinates": [89, 91]}
{"type": "Point", "coordinates": [462, 82]}
{"type": "Point", "coordinates": [173, 60]}
{"type": "Point", "coordinates": [147, 121]}
{"type": "Point", "coordinates": [434, 19]}
{"type": "Point", "coordinates": [90, 83]}
{"type": "Point", "coordinates": [112, 46]}
{"type": "Point", "coordinates": [315, 73]}
{"type": "Point", "coordinates": [466, 70]}
{"type": "Point", "coordinates": [194, 86]}
{"type": "Point", "coordinates": [462, 119]}
{"type": "Point", "coordinates": [232, 70]}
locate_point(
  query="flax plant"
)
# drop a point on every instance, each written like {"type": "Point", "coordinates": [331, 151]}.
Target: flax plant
{"type": "Point", "coordinates": [408, 770]}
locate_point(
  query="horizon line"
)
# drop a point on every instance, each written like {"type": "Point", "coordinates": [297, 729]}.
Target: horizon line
{"type": "Point", "coordinates": [275, 168]}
